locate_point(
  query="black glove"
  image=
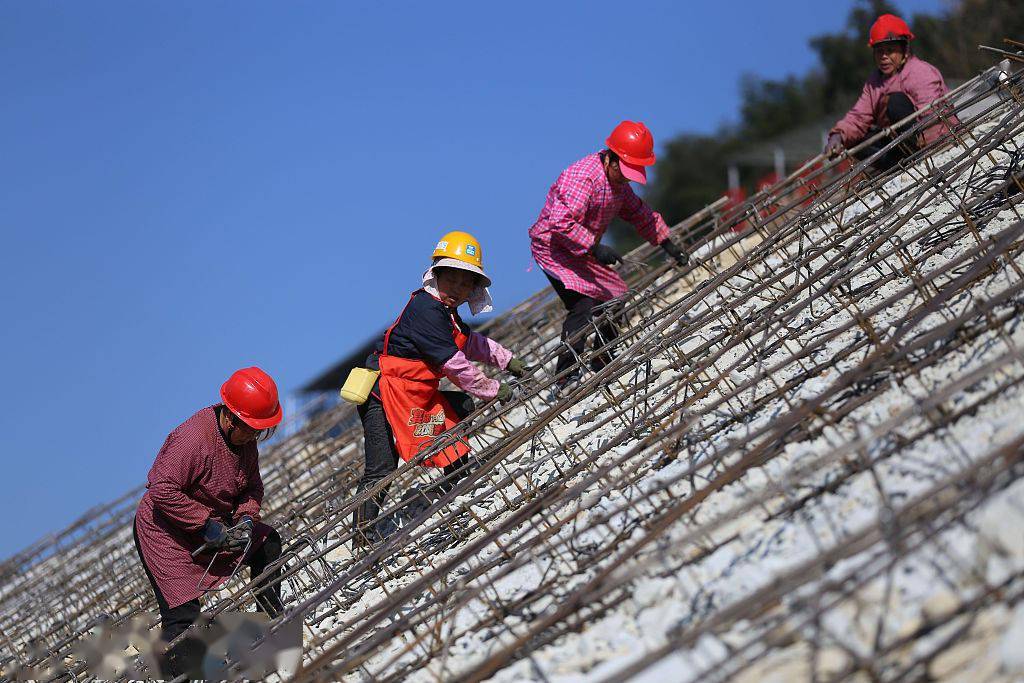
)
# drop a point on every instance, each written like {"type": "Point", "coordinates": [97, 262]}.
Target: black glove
{"type": "Point", "coordinates": [240, 535]}
{"type": "Point", "coordinates": [674, 251]}
{"type": "Point", "coordinates": [605, 255]}
{"type": "Point", "coordinates": [215, 534]}
{"type": "Point", "coordinates": [517, 368]}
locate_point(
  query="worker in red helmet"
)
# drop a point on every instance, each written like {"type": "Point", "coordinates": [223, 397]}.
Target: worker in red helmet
{"type": "Point", "coordinates": [566, 239]}
{"type": "Point", "coordinates": [406, 409]}
{"type": "Point", "coordinates": [900, 85]}
{"type": "Point", "coordinates": [204, 491]}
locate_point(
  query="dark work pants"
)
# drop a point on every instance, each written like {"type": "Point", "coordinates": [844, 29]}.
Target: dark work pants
{"type": "Point", "coordinates": [382, 456]}
{"type": "Point", "coordinates": [898, 108]}
{"type": "Point", "coordinates": [187, 656]}
{"type": "Point", "coordinates": [581, 312]}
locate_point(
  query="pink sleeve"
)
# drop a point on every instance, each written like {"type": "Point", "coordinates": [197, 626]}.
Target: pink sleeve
{"type": "Point", "coordinates": [854, 126]}
{"type": "Point", "coordinates": [485, 350]}
{"type": "Point", "coordinates": [648, 223]}
{"type": "Point", "coordinates": [567, 212]}
{"type": "Point", "coordinates": [468, 377]}
{"type": "Point", "coordinates": [251, 499]}
{"type": "Point", "coordinates": [177, 467]}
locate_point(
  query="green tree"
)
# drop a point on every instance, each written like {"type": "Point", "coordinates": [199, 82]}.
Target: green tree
{"type": "Point", "coordinates": [691, 173]}
{"type": "Point", "coordinates": [950, 42]}
{"type": "Point", "coordinates": [844, 57]}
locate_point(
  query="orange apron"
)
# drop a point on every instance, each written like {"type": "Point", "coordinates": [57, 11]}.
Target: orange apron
{"type": "Point", "coordinates": [413, 403]}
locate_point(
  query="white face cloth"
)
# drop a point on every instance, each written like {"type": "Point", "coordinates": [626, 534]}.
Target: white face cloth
{"type": "Point", "coordinates": [479, 300]}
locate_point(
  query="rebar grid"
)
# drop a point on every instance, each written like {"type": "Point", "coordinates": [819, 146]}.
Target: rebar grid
{"type": "Point", "coordinates": [742, 402]}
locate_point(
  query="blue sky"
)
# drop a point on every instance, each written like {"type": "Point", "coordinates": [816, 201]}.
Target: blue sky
{"type": "Point", "coordinates": [189, 188]}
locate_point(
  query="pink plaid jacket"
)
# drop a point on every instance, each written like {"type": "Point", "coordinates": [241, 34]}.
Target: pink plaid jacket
{"type": "Point", "coordinates": [195, 477]}
{"type": "Point", "coordinates": [578, 209]}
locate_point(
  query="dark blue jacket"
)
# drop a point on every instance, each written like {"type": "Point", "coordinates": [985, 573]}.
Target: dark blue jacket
{"type": "Point", "coordinates": [424, 332]}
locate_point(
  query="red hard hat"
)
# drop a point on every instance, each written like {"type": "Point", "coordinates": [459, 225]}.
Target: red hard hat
{"type": "Point", "coordinates": [251, 394]}
{"type": "Point", "coordinates": [633, 143]}
{"type": "Point", "coordinates": [889, 27]}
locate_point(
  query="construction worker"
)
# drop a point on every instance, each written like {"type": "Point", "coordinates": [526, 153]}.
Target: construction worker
{"type": "Point", "coordinates": [405, 410]}
{"type": "Point", "coordinates": [900, 85]}
{"type": "Point", "coordinates": [205, 490]}
{"type": "Point", "coordinates": [566, 239]}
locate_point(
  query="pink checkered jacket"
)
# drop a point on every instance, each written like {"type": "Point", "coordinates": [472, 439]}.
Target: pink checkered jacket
{"type": "Point", "coordinates": [578, 209]}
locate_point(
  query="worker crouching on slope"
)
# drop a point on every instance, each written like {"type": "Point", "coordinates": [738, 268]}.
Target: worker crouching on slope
{"type": "Point", "coordinates": [205, 488]}
{"type": "Point", "coordinates": [406, 410]}
{"type": "Point", "coordinates": [566, 239]}
{"type": "Point", "coordinates": [899, 86]}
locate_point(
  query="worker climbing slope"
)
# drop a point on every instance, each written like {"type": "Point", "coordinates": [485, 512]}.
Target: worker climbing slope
{"type": "Point", "coordinates": [566, 239]}
{"type": "Point", "coordinates": [406, 410]}
{"type": "Point", "coordinates": [204, 491]}
{"type": "Point", "coordinates": [900, 85]}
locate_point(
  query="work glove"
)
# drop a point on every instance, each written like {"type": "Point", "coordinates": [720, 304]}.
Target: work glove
{"type": "Point", "coordinates": [834, 146]}
{"type": "Point", "coordinates": [240, 535]}
{"type": "Point", "coordinates": [605, 255]}
{"type": "Point", "coordinates": [517, 368]}
{"type": "Point", "coordinates": [674, 251]}
{"type": "Point", "coordinates": [215, 534]}
{"type": "Point", "coordinates": [506, 393]}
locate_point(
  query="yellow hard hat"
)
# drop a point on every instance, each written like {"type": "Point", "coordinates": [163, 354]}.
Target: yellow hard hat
{"type": "Point", "coordinates": [459, 249]}
{"type": "Point", "coordinates": [460, 246]}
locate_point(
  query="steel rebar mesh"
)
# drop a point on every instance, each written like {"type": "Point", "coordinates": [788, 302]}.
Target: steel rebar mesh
{"type": "Point", "coordinates": [828, 336]}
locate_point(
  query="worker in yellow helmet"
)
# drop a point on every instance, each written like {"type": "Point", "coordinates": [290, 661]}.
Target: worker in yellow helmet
{"type": "Point", "coordinates": [406, 410]}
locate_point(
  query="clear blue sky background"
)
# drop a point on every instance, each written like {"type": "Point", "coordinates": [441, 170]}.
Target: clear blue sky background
{"type": "Point", "coordinates": [189, 188]}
